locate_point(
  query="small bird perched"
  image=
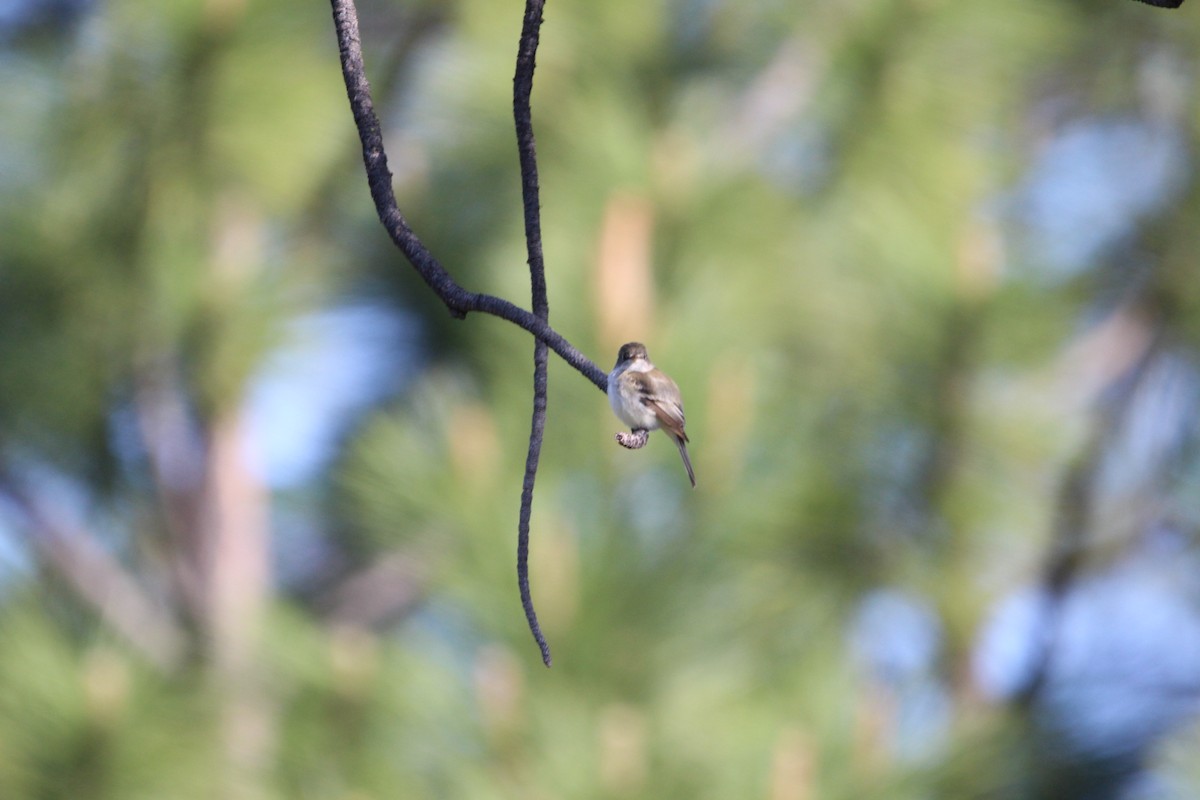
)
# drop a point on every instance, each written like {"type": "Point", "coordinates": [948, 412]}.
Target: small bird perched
{"type": "Point", "coordinates": [645, 399]}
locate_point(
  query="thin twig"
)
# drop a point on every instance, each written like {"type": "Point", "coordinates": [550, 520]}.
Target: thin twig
{"type": "Point", "coordinates": [526, 148]}
{"type": "Point", "coordinates": [540, 356]}
{"type": "Point", "coordinates": [457, 300]}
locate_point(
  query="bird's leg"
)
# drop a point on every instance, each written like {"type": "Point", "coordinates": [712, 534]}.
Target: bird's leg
{"type": "Point", "coordinates": [635, 439]}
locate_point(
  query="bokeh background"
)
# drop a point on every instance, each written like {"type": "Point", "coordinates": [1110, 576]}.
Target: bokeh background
{"type": "Point", "coordinates": [926, 272]}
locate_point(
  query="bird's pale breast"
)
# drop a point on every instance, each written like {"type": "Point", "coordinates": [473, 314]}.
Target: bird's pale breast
{"type": "Point", "coordinates": [626, 402]}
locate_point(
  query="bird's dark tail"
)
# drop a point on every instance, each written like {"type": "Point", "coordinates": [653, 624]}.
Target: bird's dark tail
{"type": "Point", "coordinates": [687, 462]}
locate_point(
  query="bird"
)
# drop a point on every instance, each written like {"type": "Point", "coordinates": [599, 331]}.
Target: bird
{"type": "Point", "coordinates": [646, 399]}
{"type": "Point", "coordinates": [1163, 3]}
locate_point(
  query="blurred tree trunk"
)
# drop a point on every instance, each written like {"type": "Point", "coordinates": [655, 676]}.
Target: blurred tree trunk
{"type": "Point", "coordinates": [235, 534]}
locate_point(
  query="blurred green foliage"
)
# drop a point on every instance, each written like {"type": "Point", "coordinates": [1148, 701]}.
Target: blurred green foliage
{"type": "Point", "coordinates": [802, 205]}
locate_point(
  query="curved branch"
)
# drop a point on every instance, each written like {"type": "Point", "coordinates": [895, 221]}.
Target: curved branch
{"type": "Point", "coordinates": [527, 151]}
{"type": "Point", "coordinates": [457, 300]}
{"type": "Point", "coordinates": [538, 425]}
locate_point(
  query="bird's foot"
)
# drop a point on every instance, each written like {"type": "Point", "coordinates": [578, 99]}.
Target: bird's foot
{"type": "Point", "coordinates": [634, 440]}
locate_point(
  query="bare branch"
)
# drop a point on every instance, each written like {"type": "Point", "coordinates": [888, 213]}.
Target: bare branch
{"type": "Point", "coordinates": [457, 300]}
{"type": "Point", "coordinates": [537, 428]}
{"type": "Point", "coordinates": [527, 151]}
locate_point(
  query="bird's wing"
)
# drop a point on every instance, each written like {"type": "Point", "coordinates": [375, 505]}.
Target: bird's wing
{"type": "Point", "coordinates": [660, 394]}
{"type": "Point", "coordinates": [1164, 3]}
